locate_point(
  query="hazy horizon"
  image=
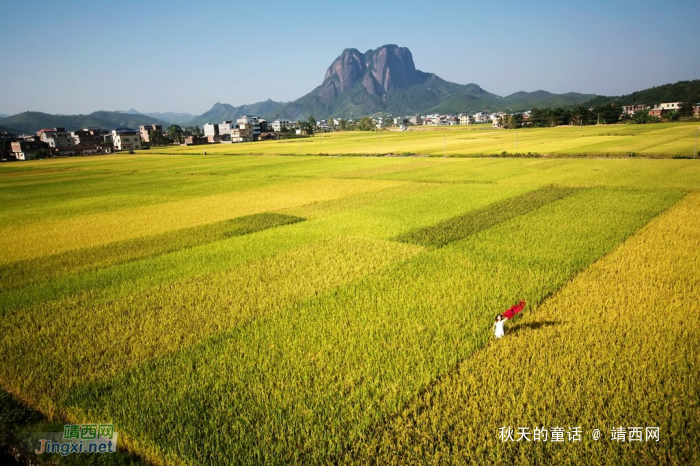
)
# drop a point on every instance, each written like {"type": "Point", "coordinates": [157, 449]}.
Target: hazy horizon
{"type": "Point", "coordinates": [184, 57]}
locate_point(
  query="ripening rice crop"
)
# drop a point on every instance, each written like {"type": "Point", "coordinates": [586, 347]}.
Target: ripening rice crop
{"type": "Point", "coordinates": [183, 298]}
{"type": "Point", "coordinates": [617, 347]}
{"type": "Point", "coordinates": [118, 334]}
{"type": "Point", "coordinates": [23, 273]}
{"type": "Point", "coordinates": [312, 379]}
{"type": "Point", "coordinates": [26, 241]}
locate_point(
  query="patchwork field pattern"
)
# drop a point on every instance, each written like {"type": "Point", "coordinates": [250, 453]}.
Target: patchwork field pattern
{"type": "Point", "coordinates": [259, 309]}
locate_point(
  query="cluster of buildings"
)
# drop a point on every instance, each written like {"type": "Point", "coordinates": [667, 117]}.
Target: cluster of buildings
{"type": "Point", "coordinates": [248, 128]}
{"type": "Point", "coordinates": [87, 141]}
{"type": "Point", "coordinates": [451, 119]}
{"type": "Point", "coordinates": [253, 128]}
{"type": "Point", "coordinates": [657, 110]}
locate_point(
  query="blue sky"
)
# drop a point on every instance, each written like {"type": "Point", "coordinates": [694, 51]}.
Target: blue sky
{"type": "Point", "coordinates": [184, 56]}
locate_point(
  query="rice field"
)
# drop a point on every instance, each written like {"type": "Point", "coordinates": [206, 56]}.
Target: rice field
{"type": "Point", "coordinates": [312, 310]}
{"type": "Point", "coordinates": [664, 140]}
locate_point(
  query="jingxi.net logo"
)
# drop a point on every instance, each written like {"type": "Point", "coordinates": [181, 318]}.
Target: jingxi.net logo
{"type": "Point", "coordinates": [78, 438]}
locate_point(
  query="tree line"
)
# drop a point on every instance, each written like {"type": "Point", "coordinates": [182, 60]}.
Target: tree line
{"type": "Point", "coordinates": [602, 114]}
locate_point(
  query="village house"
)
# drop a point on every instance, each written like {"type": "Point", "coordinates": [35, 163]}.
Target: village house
{"type": "Point", "coordinates": [145, 131]}
{"type": "Point", "coordinates": [277, 125]}
{"type": "Point", "coordinates": [668, 106]}
{"type": "Point", "coordinates": [657, 112]}
{"type": "Point", "coordinates": [481, 117]}
{"type": "Point", "coordinates": [91, 135]}
{"type": "Point", "coordinates": [210, 130]}
{"type": "Point", "coordinates": [632, 109]}
{"type": "Point", "coordinates": [255, 123]}
{"type": "Point", "coordinates": [126, 139]}
{"type": "Point", "coordinates": [416, 120]}
{"type": "Point", "coordinates": [466, 119]}
{"type": "Point", "coordinates": [26, 149]}
{"type": "Point", "coordinates": [211, 133]}
{"type": "Point", "coordinates": [242, 133]}
{"type": "Point", "coordinates": [194, 141]}
{"type": "Point", "coordinates": [268, 136]}
{"type": "Point", "coordinates": [56, 137]}
{"type": "Point", "coordinates": [218, 132]}
{"type": "Point", "coordinates": [225, 131]}
{"type": "Point", "coordinates": [495, 119]}
{"type": "Point", "coordinates": [82, 149]}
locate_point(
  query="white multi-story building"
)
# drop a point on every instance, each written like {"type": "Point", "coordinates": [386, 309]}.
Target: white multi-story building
{"type": "Point", "coordinates": [145, 131]}
{"type": "Point", "coordinates": [210, 129]}
{"type": "Point", "coordinates": [277, 125]}
{"type": "Point", "coordinates": [253, 121]}
{"type": "Point", "coordinates": [632, 109]}
{"type": "Point", "coordinates": [481, 117]}
{"type": "Point", "coordinates": [56, 137]}
{"type": "Point", "coordinates": [225, 127]}
{"type": "Point", "coordinates": [126, 139]}
{"type": "Point", "coordinates": [243, 132]}
{"type": "Point", "coordinates": [466, 120]}
{"type": "Point", "coordinates": [416, 120]}
{"type": "Point", "coordinates": [668, 106]}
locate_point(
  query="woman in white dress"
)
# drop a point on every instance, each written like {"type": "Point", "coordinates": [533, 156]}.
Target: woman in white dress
{"type": "Point", "coordinates": [498, 326]}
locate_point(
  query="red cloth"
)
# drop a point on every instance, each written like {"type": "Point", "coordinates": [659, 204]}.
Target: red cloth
{"type": "Point", "coordinates": [510, 313]}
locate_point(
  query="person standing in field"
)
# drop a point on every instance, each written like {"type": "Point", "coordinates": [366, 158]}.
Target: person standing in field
{"type": "Point", "coordinates": [501, 318]}
{"type": "Point", "coordinates": [498, 326]}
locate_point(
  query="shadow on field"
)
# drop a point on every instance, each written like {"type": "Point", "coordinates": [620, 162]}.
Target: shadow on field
{"type": "Point", "coordinates": [531, 326]}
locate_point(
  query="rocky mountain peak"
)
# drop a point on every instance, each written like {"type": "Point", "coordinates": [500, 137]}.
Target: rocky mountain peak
{"type": "Point", "coordinates": [382, 70]}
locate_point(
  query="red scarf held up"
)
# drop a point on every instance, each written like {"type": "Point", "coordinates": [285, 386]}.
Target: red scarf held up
{"type": "Point", "coordinates": [510, 313]}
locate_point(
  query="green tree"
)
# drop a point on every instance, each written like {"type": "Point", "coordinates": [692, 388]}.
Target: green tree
{"type": "Point", "coordinates": [671, 115]}
{"type": "Point", "coordinates": [642, 117]}
{"type": "Point", "coordinates": [685, 110]}
{"type": "Point", "coordinates": [343, 124]}
{"type": "Point", "coordinates": [312, 122]}
{"type": "Point", "coordinates": [581, 116]}
{"type": "Point", "coordinates": [510, 121]}
{"type": "Point", "coordinates": [607, 114]}
{"type": "Point", "coordinates": [305, 127]}
{"type": "Point", "coordinates": [365, 124]}
{"type": "Point", "coordinates": [175, 133]}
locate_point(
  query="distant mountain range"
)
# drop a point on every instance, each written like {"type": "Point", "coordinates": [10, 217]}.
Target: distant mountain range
{"type": "Point", "coordinates": [170, 117]}
{"type": "Point", "coordinates": [377, 82]}
{"type": "Point", "coordinates": [30, 122]}
{"type": "Point", "coordinates": [223, 112]}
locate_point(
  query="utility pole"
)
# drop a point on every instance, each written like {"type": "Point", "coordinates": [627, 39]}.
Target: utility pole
{"type": "Point", "coordinates": [695, 151]}
{"type": "Point", "coordinates": [516, 138]}
{"type": "Point", "coordinates": [444, 146]}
